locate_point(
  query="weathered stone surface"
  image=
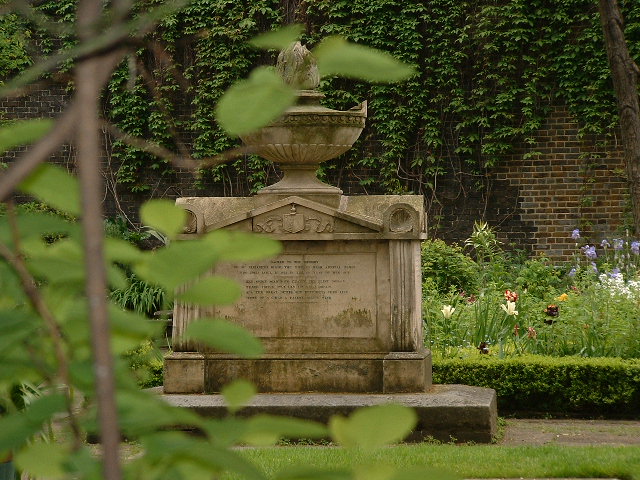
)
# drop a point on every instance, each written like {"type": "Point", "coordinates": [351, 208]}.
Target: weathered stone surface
{"type": "Point", "coordinates": [446, 412]}
{"type": "Point", "coordinates": [184, 373]}
{"type": "Point", "coordinates": [330, 372]}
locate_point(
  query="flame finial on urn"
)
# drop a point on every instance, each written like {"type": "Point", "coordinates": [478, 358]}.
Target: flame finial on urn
{"type": "Point", "coordinates": [298, 67]}
{"type": "Point", "coordinates": [307, 133]}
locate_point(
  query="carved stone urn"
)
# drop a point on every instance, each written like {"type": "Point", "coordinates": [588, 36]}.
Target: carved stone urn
{"type": "Point", "coordinates": [307, 134]}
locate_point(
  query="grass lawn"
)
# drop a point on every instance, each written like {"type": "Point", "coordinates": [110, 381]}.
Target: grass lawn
{"type": "Point", "coordinates": [467, 461]}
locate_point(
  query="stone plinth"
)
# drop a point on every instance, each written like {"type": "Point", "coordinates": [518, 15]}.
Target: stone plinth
{"type": "Point", "coordinates": [338, 311]}
{"type": "Point", "coordinates": [446, 412]}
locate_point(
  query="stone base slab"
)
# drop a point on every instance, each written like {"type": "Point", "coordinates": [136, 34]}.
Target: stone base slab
{"type": "Point", "coordinates": [396, 372]}
{"type": "Point", "coordinates": [447, 412]}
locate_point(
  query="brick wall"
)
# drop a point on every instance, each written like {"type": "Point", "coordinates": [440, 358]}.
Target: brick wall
{"type": "Point", "coordinates": [533, 200]}
{"type": "Point", "coordinates": [571, 183]}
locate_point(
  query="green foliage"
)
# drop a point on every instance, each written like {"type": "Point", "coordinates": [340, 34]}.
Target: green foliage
{"type": "Point", "coordinates": [539, 277]}
{"type": "Point", "coordinates": [14, 37]}
{"type": "Point", "coordinates": [544, 385]}
{"type": "Point", "coordinates": [446, 268]}
{"type": "Point", "coordinates": [487, 74]}
{"type": "Point", "coordinates": [27, 354]}
{"type": "Point", "coordinates": [23, 132]}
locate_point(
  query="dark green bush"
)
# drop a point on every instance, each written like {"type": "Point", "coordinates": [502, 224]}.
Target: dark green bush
{"type": "Point", "coordinates": [537, 385]}
{"type": "Point", "coordinates": [446, 267]}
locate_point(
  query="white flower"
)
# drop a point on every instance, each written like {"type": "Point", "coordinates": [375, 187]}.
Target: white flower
{"type": "Point", "coordinates": [510, 308]}
{"type": "Point", "coordinates": [447, 311]}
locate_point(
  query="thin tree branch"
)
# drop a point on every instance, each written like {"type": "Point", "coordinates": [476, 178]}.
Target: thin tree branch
{"type": "Point", "coordinates": [176, 160]}
{"type": "Point", "coordinates": [88, 88]}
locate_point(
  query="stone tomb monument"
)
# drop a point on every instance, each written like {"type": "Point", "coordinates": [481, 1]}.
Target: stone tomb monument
{"type": "Point", "coordinates": [339, 311]}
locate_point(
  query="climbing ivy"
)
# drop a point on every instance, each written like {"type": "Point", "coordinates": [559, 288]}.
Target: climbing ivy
{"type": "Point", "coordinates": [488, 73]}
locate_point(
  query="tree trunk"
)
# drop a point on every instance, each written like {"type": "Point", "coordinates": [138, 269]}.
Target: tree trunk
{"type": "Point", "coordinates": [625, 76]}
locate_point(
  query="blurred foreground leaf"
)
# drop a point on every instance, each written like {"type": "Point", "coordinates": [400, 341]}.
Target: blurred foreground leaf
{"type": "Point", "coordinates": [253, 103]}
{"type": "Point", "coordinates": [211, 290]}
{"type": "Point", "coordinates": [23, 132]}
{"type": "Point", "coordinates": [373, 427]}
{"type": "Point", "coordinates": [164, 216]}
{"type": "Point", "coordinates": [278, 39]}
{"type": "Point", "coordinates": [55, 187]}
{"type": "Point", "coordinates": [226, 336]}
{"type": "Point", "coordinates": [336, 56]}
{"type": "Point", "coordinates": [238, 393]}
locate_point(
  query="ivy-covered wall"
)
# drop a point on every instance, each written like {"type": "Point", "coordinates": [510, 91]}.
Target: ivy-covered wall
{"type": "Point", "coordinates": [490, 75]}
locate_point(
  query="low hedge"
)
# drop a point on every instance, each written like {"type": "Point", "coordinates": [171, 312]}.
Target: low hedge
{"type": "Point", "coordinates": [536, 385]}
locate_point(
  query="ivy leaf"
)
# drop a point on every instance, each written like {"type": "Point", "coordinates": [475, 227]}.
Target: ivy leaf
{"type": "Point", "coordinates": [164, 216]}
{"type": "Point", "coordinates": [55, 187]}
{"type": "Point", "coordinates": [225, 336]}
{"type": "Point", "coordinates": [23, 132]}
{"type": "Point", "coordinates": [336, 56]}
{"type": "Point", "coordinates": [278, 39]}
{"type": "Point", "coordinates": [213, 290]}
{"type": "Point", "coordinates": [238, 393]}
{"type": "Point", "coordinates": [43, 459]}
{"type": "Point", "coordinates": [253, 103]}
{"type": "Point", "coordinates": [373, 427]}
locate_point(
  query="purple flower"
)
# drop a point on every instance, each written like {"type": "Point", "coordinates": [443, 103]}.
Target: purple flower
{"type": "Point", "coordinates": [615, 273]}
{"type": "Point", "coordinates": [605, 243]}
{"type": "Point", "coordinates": [572, 272]}
{"type": "Point", "coordinates": [635, 247]}
{"type": "Point", "coordinates": [593, 265]}
{"type": "Point", "coordinates": [618, 243]}
{"type": "Point", "coordinates": [575, 234]}
{"type": "Point", "coordinates": [590, 252]}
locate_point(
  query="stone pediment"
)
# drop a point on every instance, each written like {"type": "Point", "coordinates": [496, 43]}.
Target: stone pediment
{"type": "Point", "coordinates": [300, 217]}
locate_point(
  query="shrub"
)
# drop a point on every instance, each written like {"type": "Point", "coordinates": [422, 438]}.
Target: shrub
{"type": "Point", "coordinates": [531, 384]}
{"type": "Point", "coordinates": [539, 277]}
{"type": "Point", "coordinates": [446, 267]}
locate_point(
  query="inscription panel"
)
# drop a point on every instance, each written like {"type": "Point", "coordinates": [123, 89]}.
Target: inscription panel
{"type": "Point", "coordinates": [306, 295]}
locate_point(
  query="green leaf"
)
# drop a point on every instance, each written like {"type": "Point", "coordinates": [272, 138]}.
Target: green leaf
{"type": "Point", "coordinates": [55, 187]}
{"type": "Point", "coordinates": [253, 103]}
{"type": "Point", "coordinates": [278, 39]}
{"type": "Point", "coordinates": [18, 428]}
{"type": "Point", "coordinates": [164, 216]}
{"type": "Point", "coordinates": [373, 427]}
{"type": "Point", "coordinates": [23, 132]}
{"type": "Point", "coordinates": [121, 251]}
{"type": "Point", "coordinates": [141, 413]}
{"type": "Point", "coordinates": [37, 224]}
{"type": "Point", "coordinates": [241, 246]}
{"type": "Point", "coordinates": [43, 460]}
{"type": "Point", "coordinates": [225, 336]}
{"type": "Point", "coordinates": [336, 56]}
{"type": "Point", "coordinates": [176, 264]}
{"type": "Point", "coordinates": [213, 290]}
{"type": "Point", "coordinates": [130, 329]}
{"type": "Point", "coordinates": [238, 393]}
{"type": "Point", "coordinates": [263, 430]}
{"type": "Point", "coordinates": [177, 447]}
